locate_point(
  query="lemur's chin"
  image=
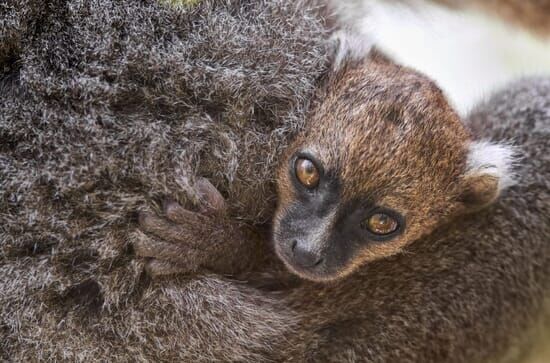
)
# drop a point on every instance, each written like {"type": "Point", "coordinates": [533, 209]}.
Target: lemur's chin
{"type": "Point", "coordinates": [312, 275]}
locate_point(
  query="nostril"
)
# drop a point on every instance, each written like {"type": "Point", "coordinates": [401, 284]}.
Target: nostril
{"type": "Point", "coordinates": [294, 243]}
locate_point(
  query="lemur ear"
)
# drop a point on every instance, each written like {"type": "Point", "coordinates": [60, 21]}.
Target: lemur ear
{"type": "Point", "coordinates": [349, 46]}
{"type": "Point", "coordinates": [489, 171]}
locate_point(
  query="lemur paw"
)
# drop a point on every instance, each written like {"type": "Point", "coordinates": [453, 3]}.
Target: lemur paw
{"type": "Point", "coordinates": [179, 241]}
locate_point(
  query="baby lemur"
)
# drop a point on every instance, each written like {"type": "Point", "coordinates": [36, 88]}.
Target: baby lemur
{"type": "Point", "coordinates": [383, 162]}
{"type": "Point", "coordinates": [326, 209]}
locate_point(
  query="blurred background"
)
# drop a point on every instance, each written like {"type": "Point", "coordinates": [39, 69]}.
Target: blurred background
{"type": "Point", "coordinates": [468, 53]}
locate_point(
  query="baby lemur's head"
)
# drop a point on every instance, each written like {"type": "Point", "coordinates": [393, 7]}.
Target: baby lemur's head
{"type": "Point", "coordinates": [383, 160]}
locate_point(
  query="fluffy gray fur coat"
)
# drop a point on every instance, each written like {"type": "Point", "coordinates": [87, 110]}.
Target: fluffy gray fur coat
{"type": "Point", "coordinates": [106, 106]}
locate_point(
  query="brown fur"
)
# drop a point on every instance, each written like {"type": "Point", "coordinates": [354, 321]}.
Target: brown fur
{"type": "Point", "coordinates": [384, 129]}
{"type": "Point", "coordinates": [465, 291]}
{"type": "Point", "coordinates": [108, 105]}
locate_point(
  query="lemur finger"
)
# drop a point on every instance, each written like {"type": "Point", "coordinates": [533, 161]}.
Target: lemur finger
{"type": "Point", "coordinates": [211, 198]}
{"type": "Point", "coordinates": [177, 214]}
{"type": "Point", "coordinates": [164, 229]}
{"type": "Point", "coordinates": [145, 246]}
{"type": "Point", "coordinates": [163, 268]}
{"type": "Point", "coordinates": [185, 258]}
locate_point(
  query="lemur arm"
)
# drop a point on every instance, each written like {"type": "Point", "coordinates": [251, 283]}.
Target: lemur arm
{"type": "Point", "coordinates": [183, 241]}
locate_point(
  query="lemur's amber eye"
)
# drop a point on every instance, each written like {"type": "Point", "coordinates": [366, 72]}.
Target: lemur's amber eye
{"type": "Point", "coordinates": [307, 173]}
{"type": "Point", "coordinates": [381, 224]}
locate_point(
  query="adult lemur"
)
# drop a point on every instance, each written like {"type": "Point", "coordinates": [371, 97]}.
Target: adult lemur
{"type": "Point", "coordinates": [108, 105]}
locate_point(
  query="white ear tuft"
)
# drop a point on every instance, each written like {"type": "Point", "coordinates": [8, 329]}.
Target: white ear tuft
{"type": "Point", "coordinates": [350, 45]}
{"type": "Point", "coordinates": [491, 159]}
{"type": "Point", "coordinates": [489, 170]}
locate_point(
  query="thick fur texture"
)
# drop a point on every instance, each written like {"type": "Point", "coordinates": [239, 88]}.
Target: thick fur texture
{"type": "Point", "coordinates": [468, 292]}
{"type": "Point", "coordinates": [108, 106]}
{"type": "Point", "coordinates": [463, 291]}
{"type": "Point", "coordinates": [105, 106]}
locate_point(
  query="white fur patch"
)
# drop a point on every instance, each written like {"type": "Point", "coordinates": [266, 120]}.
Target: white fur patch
{"type": "Point", "coordinates": [350, 45]}
{"type": "Point", "coordinates": [494, 159]}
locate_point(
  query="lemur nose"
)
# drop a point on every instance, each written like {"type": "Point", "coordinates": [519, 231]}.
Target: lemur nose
{"type": "Point", "coordinates": [304, 256]}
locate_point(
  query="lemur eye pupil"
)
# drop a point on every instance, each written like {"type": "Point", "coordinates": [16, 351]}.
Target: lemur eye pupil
{"type": "Point", "coordinates": [381, 224]}
{"type": "Point", "coordinates": [307, 173]}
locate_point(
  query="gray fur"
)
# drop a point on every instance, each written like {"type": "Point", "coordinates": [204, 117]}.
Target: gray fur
{"type": "Point", "coordinates": [107, 106]}
{"type": "Point", "coordinates": [103, 110]}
